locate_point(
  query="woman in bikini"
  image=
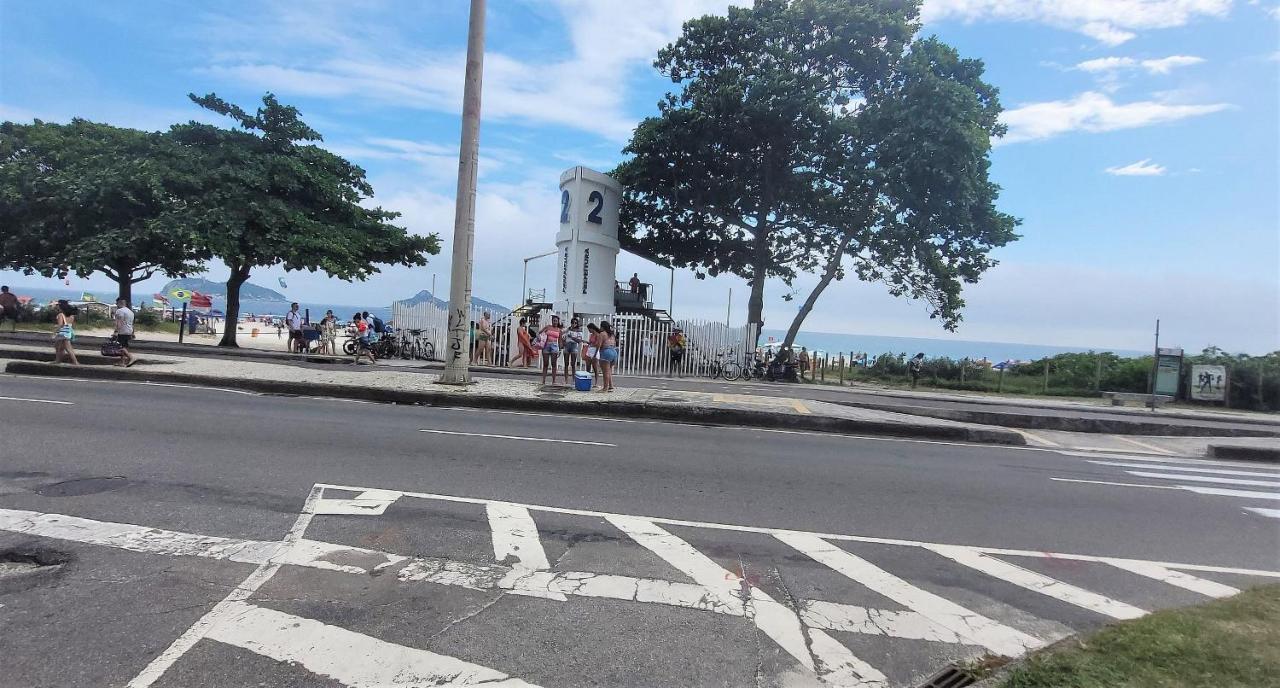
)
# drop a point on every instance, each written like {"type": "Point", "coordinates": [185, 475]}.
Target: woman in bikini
{"type": "Point", "coordinates": [550, 336]}
{"type": "Point", "coordinates": [62, 349]}
{"type": "Point", "coordinates": [608, 353]}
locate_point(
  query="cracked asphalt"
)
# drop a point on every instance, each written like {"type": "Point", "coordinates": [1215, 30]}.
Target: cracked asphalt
{"type": "Point", "coordinates": [423, 574]}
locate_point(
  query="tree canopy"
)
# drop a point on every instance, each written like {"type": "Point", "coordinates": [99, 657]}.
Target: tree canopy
{"type": "Point", "coordinates": [267, 196]}
{"type": "Point", "coordinates": [87, 197]}
{"type": "Point", "coordinates": [807, 132]}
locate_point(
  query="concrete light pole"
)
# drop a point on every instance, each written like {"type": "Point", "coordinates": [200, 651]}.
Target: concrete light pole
{"type": "Point", "coordinates": [457, 355]}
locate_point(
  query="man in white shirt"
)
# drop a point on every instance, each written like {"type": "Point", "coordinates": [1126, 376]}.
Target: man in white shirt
{"type": "Point", "coordinates": [294, 321]}
{"type": "Point", "coordinates": [123, 318]}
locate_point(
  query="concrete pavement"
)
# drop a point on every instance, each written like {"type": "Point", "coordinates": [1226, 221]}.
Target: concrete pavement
{"type": "Point", "coordinates": [447, 544]}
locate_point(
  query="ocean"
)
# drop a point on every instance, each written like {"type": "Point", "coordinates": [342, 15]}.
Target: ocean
{"type": "Point", "coordinates": [829, 342]}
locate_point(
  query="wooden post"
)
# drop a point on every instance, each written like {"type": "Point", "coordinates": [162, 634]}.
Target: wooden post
{"type": "Point", "coordinates": [823, 373]}
{"type": "Point", "coordinates": [1097, 377]}
{"type": "Point", "coordinates": [1000, 384]}
{"type": "Point", "coordinates": [182, 326]}
{"type": "Point", "coordinates": [1046, 375]}
{"type": "Point", "coordinates": [843, 364]}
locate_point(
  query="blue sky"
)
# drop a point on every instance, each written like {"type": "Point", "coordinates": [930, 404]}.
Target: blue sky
{"type": "Point", "coordinates": [1142, 153]}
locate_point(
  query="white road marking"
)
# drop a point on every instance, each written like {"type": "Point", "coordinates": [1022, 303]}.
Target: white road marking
{"type": "Point", "coordinates": [34, 378]}
{"type": "Point", "coordinates": [839, 536]}
{"type": "Point", "coordinates": [515, 535]}
{"type": "Point", "coordinates": [201, 628]}
{"type": "Point", "coordinates": [816, 651]}
{"type": "Point", "coordinates": [1186, 469]}
{"type": "Point", "coordinates": [516, 437]}
{"type": "Point", "coordinates": [351, 658]}
{"type": "Point", "coordinates": [1149, 448]}
{"type": "Point", "coordinates": [1205, 479]}
{"type": "Point", "coordinates": [1269, 513]}
{"type": "Point", "coordinates": [1038, 582]}
{"type": "Point", "coordinates": [1170, 460]}
{"type": "Point", "coordinates": [38, 401]}
{"type": "Point", "coordinates": [975, 628]}
{"type": "Point", "coordinates": [367, 503]}
{"type": "Point", "coordinates": [1177, 578]}
{"type": "Point", "coordinates": [1214, 491]}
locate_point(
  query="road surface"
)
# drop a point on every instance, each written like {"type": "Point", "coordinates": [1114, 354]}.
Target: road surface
{"type": "Point", "coordinates": [219, 538]}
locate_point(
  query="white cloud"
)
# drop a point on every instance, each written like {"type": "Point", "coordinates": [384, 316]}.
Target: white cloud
{"type": "Point", "coordinates": [1106, 64]}
{"type": "Point", "coordinates": [1111, 22]}
{"type": "Point", "coordinates": [1163, 65]}
{"type": "Point", "coordinates": [1093, 112]}
{"type": "Point", "coordinates": [1142, 168]}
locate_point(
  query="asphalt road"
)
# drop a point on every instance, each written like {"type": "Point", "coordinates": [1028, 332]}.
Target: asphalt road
{"type": "Point", "coordinates": [566, 551]}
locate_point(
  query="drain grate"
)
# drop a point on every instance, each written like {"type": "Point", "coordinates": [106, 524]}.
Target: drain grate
{"type": "Point", "coordinates": [950, 677]}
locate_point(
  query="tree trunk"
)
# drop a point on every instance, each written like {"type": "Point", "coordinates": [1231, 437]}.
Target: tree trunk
{"type": "Point", "coordinates": [759, 270]}
{"type": "Point", "coordinates": [828, 274]}
{"type": "Point", "coordinates": [125, 290]}
{"type": "Point", "coordinates": [238, 277]}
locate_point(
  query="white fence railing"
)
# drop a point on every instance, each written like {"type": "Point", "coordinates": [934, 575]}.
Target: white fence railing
{"type": "Point", "coordinates": [642, 341]}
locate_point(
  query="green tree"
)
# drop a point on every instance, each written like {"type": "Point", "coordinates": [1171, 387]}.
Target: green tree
{"type": "Point", "coordinates": [87, 197]}
{"type": "Point", "coordinates": [808, 132]}
{"type": "Point", "coordinates": [267, 197]}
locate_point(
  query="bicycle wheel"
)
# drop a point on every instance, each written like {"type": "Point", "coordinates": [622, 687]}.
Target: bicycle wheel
{"type": "Point", "coordinates": [713, 370]}
{"type": "Point", "coordinates": [427, 351]}
{"type": "Point", "coordinates": [349, 347]}
{"type": "Point", "coordinates": [731, 371]}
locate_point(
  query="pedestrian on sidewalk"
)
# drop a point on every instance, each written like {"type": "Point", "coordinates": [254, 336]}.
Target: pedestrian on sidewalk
{"type": "Point", "coordinates": [592, 357]}
{"type": "Point", "coordinates": [573, 338]}
{"type": "Point", "coordinates": [676, 345]}
{"type": "Point", "coordinates": [550, 336]}
{"type": "Point", "coordinates": [804, 362]}
{"type": "Point", "coordinates": [608, 353]}
{"type": "Point", "coordinates": [293, 320]}
{"type": "Point", "coordinates": [9, 308]}
{"type": "Point", "coordinates": [364, 338]}
{"type": "Point", "coordinates": [915, 367]}
{"type": "Point", "coordinates": [123, 318]}
{"type": "Point", "coordinates": [66, 333]}
{"type": "Point", "coordinates": [484, 339]}
{"type": "Point", "coordinates": [524, 343]}
{"type": "Point", "coordinates": [329, 334]}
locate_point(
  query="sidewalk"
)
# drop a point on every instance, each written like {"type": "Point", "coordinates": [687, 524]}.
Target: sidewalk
{"type": "Point", "coordinates": [377, 383]}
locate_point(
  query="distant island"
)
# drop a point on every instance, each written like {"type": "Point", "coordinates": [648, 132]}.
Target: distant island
{"type": "Point", "coordinates": [425, 296]}
{"type": "Point", "coordinates": [248, 291]}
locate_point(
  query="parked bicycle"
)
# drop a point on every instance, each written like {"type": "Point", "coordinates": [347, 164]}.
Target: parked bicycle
{"type": "Point", "coordinates": [413, 344]}
{"type": "Point", "coordinates": [728, 369]}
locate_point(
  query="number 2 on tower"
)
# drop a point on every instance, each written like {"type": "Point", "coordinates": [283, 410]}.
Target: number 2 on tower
{"type": "Point", "coordinates": [594, 216]}
{"type": "Point", "coordinates": [564, 206]}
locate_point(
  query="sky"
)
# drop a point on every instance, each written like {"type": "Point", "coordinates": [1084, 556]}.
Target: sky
{"type": "Point", "coordinates": [1141, 155]}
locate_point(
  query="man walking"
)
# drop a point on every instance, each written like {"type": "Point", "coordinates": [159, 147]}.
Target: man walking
{"type": "Point", "coordinates": [676, 344]}
{"type": "Point", "coordinates": [294, 322]}
{"type": "Point", "coordinates": [123, 318]}
{"type": "Point", "coordinates": [9, 307]}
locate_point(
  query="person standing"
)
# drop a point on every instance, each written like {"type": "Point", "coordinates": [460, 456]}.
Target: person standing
{"type": "Point", "coordinates": [65, 334]}
{"type": "Point", "coordinates": [915, 367]}
{"type": "Point", "coordinates": [293, 320]}
{"type": "Point", "coordinates": [123, 318]}
{"type": "Point", "coordinates": [550, 336]}
{"type": "Point", "coordinates": [329, 334]}
{"type": "Point", "coordinates": [572, 346]}
{"type": "Point", "coordinates": [676, 345]}
{"type": "Point", "coordinates": [9, 307]}
{"type": "Point", "coordinates": [524, 343]}
{"type": "Point", "coordinates": [804, 362]}
{"type": "Point", "coordinates": [634, 282]}
{"type": "Point", "coordinates": [364, 338]}
{"type": "Point", "coordinates": [592, 356]}
{"type": "Point", "coordinates": [484, 339]}
{"type": "Point", "coordinates": [608, 353]}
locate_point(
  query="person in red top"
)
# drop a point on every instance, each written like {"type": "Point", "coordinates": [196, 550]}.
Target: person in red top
{"type": "Point", "coordinates": [9, 307]}
{"type": "Point", "coordinates": [364, 331]}
{"type": "Point", "coordinates": [550, 336]}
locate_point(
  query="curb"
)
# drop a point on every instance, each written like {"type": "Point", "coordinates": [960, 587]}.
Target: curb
{"type": "Point", "coordinates": [620, 409]}
{"type": "Point", "coordinates": [1067, 423]}
{"type": "Point", "coordinates": [1241, 452]}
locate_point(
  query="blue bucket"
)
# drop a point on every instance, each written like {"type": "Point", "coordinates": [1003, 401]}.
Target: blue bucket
{"type": "Point", "coordinates": [582, 381]}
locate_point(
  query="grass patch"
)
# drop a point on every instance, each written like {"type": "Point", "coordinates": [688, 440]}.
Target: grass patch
{"type": "Point", "coordinates": [1231, 643]}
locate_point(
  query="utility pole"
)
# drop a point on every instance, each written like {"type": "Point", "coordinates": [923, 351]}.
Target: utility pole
{"type": "Point", "coordinates": [457, 356]}
{"type": "Point", "coordinates": [728, 311]}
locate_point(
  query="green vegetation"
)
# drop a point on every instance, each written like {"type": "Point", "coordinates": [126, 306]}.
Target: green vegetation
{"type": "Point", "coordinates": [1254, 380]}
{"type": "Point", "coordinates": [1232, 643]}
{"type": "Point", "coordinates": [819, 136]}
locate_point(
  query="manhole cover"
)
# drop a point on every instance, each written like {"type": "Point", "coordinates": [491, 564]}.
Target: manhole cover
{"type": "Point", "coordinates": [82, 486]}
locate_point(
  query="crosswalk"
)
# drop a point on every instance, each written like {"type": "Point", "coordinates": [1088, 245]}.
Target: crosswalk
{"type": "Point", "coordinates": [1252, 484]}
{"type": "Point", "coordinates": [813, 625]}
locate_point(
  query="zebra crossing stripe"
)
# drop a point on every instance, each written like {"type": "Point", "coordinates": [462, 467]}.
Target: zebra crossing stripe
{"type": "Point", "coordinates": [1186, 469]}
{"type": "Point", "coordinates": [1269, 513]}
{"type": "Point", "coordinates": [1182, 580]}
{"type": "Point", "coordinates": [1037, 582]}
{"type": "Point", "coordinates": [814, 649]}
{"type": "Point", "coordinates": [975, 628]}
{"type": "Point", "coordinates": [515, 538]}
{"type": "Point", "coordinates": [367, 503]}
{"type": "Point", "coordinates": [351, 658]}
{"type": "Point", "coordinates": [1205, 479]}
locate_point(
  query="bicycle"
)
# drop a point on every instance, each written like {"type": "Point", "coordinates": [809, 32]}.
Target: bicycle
{"type": "Point", "coordinates": [413, 345]}
{"type": "Point", "coordinates": [730, 370]}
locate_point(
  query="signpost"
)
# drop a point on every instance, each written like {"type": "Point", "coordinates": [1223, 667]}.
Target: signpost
{"type": "Point", "coordinates": [1168, 371]}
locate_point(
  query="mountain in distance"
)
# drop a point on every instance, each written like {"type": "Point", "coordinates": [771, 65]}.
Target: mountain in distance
{"type": "Point", "coordinates": [425, 296]}
{"type": "Point", "coordinates": [248, 291]}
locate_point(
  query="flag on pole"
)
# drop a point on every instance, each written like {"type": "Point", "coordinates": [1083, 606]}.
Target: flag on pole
{"type": "Point", "coordinates": [199, 300]}
{"type": "Point", "coordinates": [160, 299]}
{"type": "Point", "coordinates": [181, 295]}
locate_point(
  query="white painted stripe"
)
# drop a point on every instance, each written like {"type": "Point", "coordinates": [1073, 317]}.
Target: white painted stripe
{"type": "Point", "coordinates": [1224, 492]}
{"type": "Point", "coordinates": [1040, 583]}
{"type": "Point", "coordinates": [816, 652]}
{"type": "Point", "coordinates": [515, 536]}
{"type": "Point", "coordinates": [1186, 469]}
{"type": "Point", "coordinates": [1149, 448]}
{"type": "Point", "coordinates": [1177, 578]}
{"type": "Point", "coordinates": [977, 629]}
{"type": "Point", "coordinates": [844, 537]}
{"type": "Point", "coordinates": [1115, 484]}
{"type": "Point", "coordinates": [351, 658]}
{"type": "Point", "coordinates": [1039, 440]}
{"type": "Point", "coordinates": [1172, 460]}
{"type": "Point", "coordinates": [1205, 479]}
{"type": "Point", "coordinates": [38, 401]}
{"type": "Point", "coordinates": [883, 622]}
{"type": "Point", "coordinates": [367, 503]}
{"type": "Point", "coordinates": [516, 437]}
{"type": "Point", "coordinates": [201, 628]}
{"type": "Point", "coordinates": [1269, 513]}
